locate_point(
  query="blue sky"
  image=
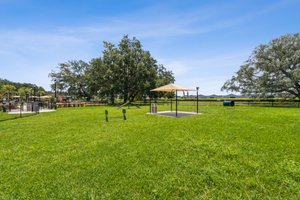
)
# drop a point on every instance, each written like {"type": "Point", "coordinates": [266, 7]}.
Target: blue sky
{"type": "Point", "coordinates": [202, 42]}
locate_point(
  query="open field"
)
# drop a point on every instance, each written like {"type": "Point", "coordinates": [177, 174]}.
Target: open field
{"type": "Point", "coordinates": [227, 152]}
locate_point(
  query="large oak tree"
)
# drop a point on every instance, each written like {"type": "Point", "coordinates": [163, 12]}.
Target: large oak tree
{"type": "Point", "coordinates": [71, 78]}
{"type": "Point", "coordinates": [273, 69]}
{"type": "Point", "coordinates": [127, 70]}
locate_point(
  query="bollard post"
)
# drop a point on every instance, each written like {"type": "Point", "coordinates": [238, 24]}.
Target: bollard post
{"type": "Point", "coordinates": [124, 114]}
{"type": "Point", "coordinates": [106, 115]}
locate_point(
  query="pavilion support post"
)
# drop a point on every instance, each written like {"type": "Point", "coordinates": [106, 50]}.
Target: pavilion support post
{"type": "Point", "coordinates": [197, 99]}
{"type": "Point", "coordinates": [176, 103]}
{"type": "Point", "coordinates": [150, 102]}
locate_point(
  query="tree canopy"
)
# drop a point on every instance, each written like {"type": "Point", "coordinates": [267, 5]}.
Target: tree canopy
{"type": "Point", "coordinates": [125, 70]}
{"type": "Point", "coordinates": [273, 69]}
{"type": "Point", "coordinates": [9, 88]}
{"type": "Point", "coordinates": [72, 78]}
{"type": "Point", "coordinates": [19, 85]}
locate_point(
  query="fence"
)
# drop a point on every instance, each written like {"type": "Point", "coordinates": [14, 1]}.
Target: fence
{"type": "Point", "coordinates": [18, 110]}
{"type": "Point", "coordinates": [190, 104]}
{"type": "Point", "coordinates": [81, 104]}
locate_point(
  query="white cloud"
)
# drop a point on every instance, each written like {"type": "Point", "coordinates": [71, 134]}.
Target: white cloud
{"type": "Point", "coordinates": [209, 73]}
{"type": "Point", "coordinates": [177, 67]}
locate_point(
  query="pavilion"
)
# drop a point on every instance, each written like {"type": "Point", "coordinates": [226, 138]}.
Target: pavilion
{"type": "Point", "coordinates": [174, 89]}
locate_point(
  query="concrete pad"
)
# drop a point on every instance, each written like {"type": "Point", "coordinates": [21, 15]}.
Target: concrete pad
{"type": "Point", "coordinates": [173, 113]}
{"type": "Point", "coordinates": [17, 111]}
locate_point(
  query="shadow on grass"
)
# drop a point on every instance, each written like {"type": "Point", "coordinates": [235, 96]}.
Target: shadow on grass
{"type": "Point", "coordinates": [16, 117]}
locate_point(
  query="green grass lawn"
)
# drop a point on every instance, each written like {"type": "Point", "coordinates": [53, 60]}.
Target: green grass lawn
{"type": "Point", "coordinates": [4, 116]}
{"type": "Point", "coordinates": [236, 153]}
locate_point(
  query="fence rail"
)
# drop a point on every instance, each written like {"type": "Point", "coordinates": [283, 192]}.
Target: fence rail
{"type": "Point", "coordinates": [238, 102]}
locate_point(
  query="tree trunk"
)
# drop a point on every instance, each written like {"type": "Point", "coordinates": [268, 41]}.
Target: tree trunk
{"type": "Point", "coordinates": [132, 97]}
{"type": "Point", "coordinates": [125, 97]}
{"type": "Point", "coordinates": [112, 98]}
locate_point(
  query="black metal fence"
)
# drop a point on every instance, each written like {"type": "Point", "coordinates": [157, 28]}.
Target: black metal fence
{"type": "Point", "coordinates": [190, 104]}
{"type": "Point", "coordinates": [15, 110]}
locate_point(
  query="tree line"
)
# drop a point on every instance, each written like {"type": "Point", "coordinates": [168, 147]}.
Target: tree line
{"type": "Point", "coordinates": [126, 71]}
{"type": "Point", "coordinates": [10, 88]}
